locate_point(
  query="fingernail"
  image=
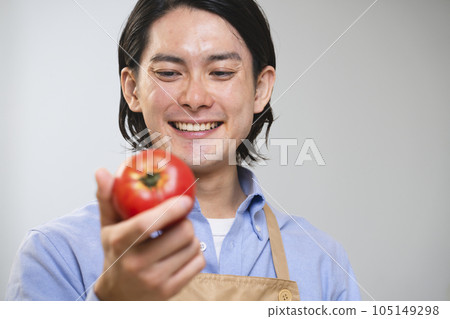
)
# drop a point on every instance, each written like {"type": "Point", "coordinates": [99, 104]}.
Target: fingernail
{"type": "Point", "coordinates": [185, 202]}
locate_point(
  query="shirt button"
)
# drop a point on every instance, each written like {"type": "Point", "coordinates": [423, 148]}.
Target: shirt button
{"type": "Point", "coordinates": [285, 295]}
{"type": "Point", "coordinates": [202, 246]}
{"type": "Point", "coordinates": [258, 229]}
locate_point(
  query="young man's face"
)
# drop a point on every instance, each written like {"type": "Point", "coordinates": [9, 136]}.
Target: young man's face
{"type": "Point", "coordinates": [197, 69]}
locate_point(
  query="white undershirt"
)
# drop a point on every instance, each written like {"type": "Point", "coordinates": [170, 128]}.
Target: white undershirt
{"type": "Point", "coordinates": [220, 228]}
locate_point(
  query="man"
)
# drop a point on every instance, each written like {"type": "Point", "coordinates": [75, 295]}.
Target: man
{"type": "Point", "coordinates": [196, 72]}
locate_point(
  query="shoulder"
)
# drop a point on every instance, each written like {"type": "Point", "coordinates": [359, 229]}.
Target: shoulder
{"type": "Point", "coordinates": [74, 237]}
{"type": "Point", "coordinates": [84, 220]}
{"type": "Point", "coordinates": [303, 233]}
{"type": "Point", "coordinates": [317, 262]}
{"type": "Point", "coordinates": [60, 259]}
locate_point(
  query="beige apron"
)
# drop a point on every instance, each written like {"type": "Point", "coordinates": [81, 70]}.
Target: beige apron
{"type": "Point", "coordinates": [230, 287]}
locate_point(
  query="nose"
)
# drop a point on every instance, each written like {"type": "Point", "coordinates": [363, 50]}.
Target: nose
{"type": "Point", "coordinates": [195, 95]}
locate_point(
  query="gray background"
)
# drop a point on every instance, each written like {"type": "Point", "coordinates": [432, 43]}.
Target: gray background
{"type": "Point", "coordinates": [376, 105]}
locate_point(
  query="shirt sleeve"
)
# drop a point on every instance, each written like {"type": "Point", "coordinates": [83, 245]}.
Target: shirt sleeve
{"type": "Point", "coordinates": [351, 287]}
{"type": "Point", "coordinates": [40, 272]}
{"type": "Point", "coordinates": [347, 287]}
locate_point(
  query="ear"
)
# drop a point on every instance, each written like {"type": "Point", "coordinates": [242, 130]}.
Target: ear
{"type": "Point", "coordinates": [264, 88]}
{"type": "Point", "coordinates": [129, 89]}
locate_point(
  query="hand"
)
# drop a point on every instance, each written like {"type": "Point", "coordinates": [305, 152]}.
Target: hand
{"type": "Point", "coordinates": [137, 267]}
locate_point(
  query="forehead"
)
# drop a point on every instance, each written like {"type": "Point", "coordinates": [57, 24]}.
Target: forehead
{"type": "Point", "coordinates": [193, 32]}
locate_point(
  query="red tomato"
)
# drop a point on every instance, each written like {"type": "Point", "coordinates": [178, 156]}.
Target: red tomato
{"type": "Point", "coordinates": [140, 184]}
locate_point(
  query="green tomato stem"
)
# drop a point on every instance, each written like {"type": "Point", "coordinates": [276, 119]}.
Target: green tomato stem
{"type": "Point", "coordinates": [150, 180]}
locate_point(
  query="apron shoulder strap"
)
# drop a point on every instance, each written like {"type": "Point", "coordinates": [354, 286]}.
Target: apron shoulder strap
{"type": "Point", "coordinates": [276, 245]}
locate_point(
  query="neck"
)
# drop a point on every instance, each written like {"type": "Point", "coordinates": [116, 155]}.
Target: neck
{"type": "Point", "coordinates": [219, 193]}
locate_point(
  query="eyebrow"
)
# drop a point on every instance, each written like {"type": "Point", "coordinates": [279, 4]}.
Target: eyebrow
{"type": "Point", "coordinates": [225, 56]}
{"type": "Point", "coordinates": [215, 57]}
{"type": "Point", "coordinates": [166, 58]}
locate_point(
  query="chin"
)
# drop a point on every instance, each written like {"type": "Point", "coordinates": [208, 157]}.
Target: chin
{"type": "Point", "coordinates": [206, 167]}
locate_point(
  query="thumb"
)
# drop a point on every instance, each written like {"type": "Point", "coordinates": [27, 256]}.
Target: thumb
{"type": "Point", "coordinates": [105, 181]}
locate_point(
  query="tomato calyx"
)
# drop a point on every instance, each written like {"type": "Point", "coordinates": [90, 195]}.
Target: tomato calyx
{"type": "Point", "coordinates": [150, 180]}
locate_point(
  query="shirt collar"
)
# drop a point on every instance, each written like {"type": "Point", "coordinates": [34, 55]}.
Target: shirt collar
{"type": "Point", "coordinates": [255, 199]}
{"type": "Point", "coordinates": [254, 202]}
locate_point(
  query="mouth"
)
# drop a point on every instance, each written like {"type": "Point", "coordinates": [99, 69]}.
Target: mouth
{"type": "Point", "coordinates": [194, 127]}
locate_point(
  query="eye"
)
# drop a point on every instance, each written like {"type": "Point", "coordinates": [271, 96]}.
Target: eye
{"type": "Point", "coordinates": [168, 75]}
{"type": "Point", "coordinates": [223, 74]}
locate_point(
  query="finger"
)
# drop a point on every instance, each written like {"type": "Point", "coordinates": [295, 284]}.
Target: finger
{"type": "Point", "coordinates": [138, 228]}
{"type": "Point", "coordinates": [174, 266]}
{"type": "Point", "coordinates": [184, 275]}
{"type": "Point", "coordinates": [171, 241]}
{"type": "Point", "coordinates": [174, 262]}
{"type": "Point", "coordinates": [105, 181]}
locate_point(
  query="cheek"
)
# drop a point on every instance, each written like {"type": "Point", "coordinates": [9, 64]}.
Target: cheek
{"type": "Point", "coordinates": [247, 126]}
{"type": "Point", "coordinates": [239, 104]}
{"type": "Point", "coordinates": [154, 102]}
{"type": "Point", "coordinates": [240, 97]}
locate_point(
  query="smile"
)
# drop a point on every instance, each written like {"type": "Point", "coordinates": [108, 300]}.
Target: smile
{"type": "Point", "coordinates": [194, 127]}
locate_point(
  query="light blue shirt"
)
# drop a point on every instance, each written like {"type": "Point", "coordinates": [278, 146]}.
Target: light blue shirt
{"type": "Point", "coordinates": [62, 259]}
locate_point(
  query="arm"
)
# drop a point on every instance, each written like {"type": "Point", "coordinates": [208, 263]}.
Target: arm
{"type": "Point", "coordinates": [65, 261]}
{"type": "Point", "coordinates": [40, 272]}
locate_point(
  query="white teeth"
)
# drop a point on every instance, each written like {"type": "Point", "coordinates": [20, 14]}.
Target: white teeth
{"type": "Point", "coordinates": [190, 127]}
